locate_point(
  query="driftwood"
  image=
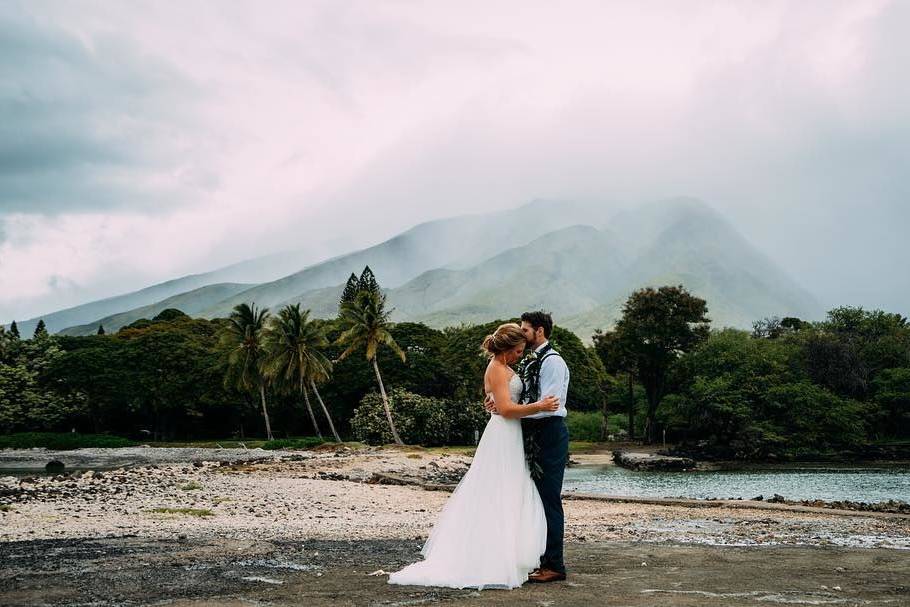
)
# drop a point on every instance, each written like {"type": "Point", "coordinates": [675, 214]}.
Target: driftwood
{"type": "Point", "coordinates": [398, 479]}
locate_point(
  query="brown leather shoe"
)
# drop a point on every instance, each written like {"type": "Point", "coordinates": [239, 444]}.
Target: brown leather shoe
{"type": "Point", "coordinates": [544, 576]}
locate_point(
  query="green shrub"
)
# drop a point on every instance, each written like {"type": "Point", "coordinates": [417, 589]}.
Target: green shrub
{"type": "Point", "coordinates": [617, 422]}
{"type": "Point", "coordinates": [62, 440]}
{"type": "Point", "coordinates": [423, 420]}
{"type": "Point", "coordinates": [306, 442]}
{"type": "Point", "coordinates": [584, 425]}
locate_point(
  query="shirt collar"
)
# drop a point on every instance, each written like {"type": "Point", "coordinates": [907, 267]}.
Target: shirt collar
{"type": "Point", "coordinates": [541, 346]}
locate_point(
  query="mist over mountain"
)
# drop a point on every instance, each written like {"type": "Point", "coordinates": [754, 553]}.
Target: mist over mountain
{"type": "Point", "coordinates": [578, 260]}
{"type": "Point", "coordinates": [583, 275]}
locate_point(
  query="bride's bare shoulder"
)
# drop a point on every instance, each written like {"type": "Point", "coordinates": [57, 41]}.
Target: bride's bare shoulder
{"type": "Point", "coordinates": [495, 371]}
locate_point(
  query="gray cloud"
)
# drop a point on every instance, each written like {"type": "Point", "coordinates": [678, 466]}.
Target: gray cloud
{"type": "Point", "coordinates": [86, 123]}
{"type": "Point", "coordinates": [814, 172]}
{"type": "Point", "coordinates": [351, 122]}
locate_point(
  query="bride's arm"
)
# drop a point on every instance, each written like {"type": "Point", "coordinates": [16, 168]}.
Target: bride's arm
{"type": "Point", "coordinates": [499, 384]}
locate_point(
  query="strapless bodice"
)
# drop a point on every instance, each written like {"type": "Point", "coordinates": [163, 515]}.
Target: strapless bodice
{"type": "Point", "coordinates": [515, 386]}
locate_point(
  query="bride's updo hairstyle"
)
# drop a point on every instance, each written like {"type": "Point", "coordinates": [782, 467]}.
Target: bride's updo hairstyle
{"type": "Point", "coordinates": [504, 338]}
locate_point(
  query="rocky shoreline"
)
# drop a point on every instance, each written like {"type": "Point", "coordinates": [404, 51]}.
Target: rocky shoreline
{"type": "Point", "coordinates": [377, 493]}
{"type": "Point", "coordinates": [285, 528]}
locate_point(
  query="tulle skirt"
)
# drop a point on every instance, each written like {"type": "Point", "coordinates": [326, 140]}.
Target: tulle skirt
{"type": "Point", "coordinates": [492, 530]}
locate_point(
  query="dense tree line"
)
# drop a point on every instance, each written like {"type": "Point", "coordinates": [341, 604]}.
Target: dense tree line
{"type": "Point", "coordinates": [788, 387]}
{"type": "Point", "coordinates": [258, 374]}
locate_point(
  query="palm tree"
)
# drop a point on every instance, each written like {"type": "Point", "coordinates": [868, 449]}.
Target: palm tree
{"type": "Point", "coordinates": [295, 359]}
{"type": "Point", "coordinates": [241, 342]}
{"type": "Point", "coordinates": [322, 372]}
{"type": "Point", "coordinates": [366, 324]}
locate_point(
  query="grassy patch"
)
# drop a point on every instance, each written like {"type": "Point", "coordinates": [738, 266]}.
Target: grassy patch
{"type": "Point", "coordinates": [187, 511]}
{"type": "Point", "coordinates": [579, 446]}
{"type": "Point", "coordinates": [304, 442]}
{"type": "Point", "coordinates": [190, 486]}
{"type": "Point", "coordinates": [6, 508]}
{"type": "Point", "coordinates": [62, 440]}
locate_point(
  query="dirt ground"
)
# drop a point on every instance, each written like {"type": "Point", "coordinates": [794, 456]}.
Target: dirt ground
{"type": "Point", "coordinates": [316, 529]}
{"type": "Point", "coordinates": [142, 571]}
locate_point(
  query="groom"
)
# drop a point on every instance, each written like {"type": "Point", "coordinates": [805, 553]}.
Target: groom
{"type": "Point", "coordinates": [544, 373]}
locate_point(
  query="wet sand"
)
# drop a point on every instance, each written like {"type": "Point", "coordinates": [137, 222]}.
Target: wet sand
{"type": "Point", "coordinates": [307, 528]}
{"type": "Point", "coordinates": [218, 571]}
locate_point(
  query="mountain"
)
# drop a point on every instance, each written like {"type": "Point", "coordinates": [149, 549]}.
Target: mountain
{"type": "Point", "coordinates": [568, 269]}
{"type": "Point", "coordinates": [266, 267]}
{"type": "Point", "coordinates": [579, 261]}
{"type": "Point", "coordinates": [191, 303]}
{"type": "Point", "coordinates": [584, 275]}
{"type": "Point", "coordinates": [703, 251]}
{"type": "Point", "coordinates": [458, 242]}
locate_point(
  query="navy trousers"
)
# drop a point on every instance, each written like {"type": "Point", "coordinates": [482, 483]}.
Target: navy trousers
{"type": "Point", "coordinates": [552, 437]}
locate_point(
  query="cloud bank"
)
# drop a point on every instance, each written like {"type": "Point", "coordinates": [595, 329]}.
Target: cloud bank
{"type": "Point", "coordinates": [144, 141]}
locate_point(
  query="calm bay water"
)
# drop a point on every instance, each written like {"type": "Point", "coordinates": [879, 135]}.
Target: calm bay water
{"type": "Point", "coordinates": [861, 484]}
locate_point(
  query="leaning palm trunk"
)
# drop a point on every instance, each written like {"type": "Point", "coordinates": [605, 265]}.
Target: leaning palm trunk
{"type": "Point", "coordinates": [325, 410]}
{"type": "Point", "coordinates": [309, 408]}
{"type": "Point", "coordinates": [385, 404]}
{"type": "Point", "coordinates": [265, 413]}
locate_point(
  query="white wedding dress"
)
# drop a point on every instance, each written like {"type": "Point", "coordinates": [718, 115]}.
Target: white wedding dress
{"type": "Point", "coordinates": [492, 530]}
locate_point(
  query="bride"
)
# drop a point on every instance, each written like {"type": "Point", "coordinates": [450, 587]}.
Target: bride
{"type": "Point", "coordinates": [492, 531]}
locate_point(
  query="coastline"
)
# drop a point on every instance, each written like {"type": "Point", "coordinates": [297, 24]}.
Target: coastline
{"type": "Point", "coordinates": [320, 528]}
{"type": "Point", "coordinates": [373, 493]}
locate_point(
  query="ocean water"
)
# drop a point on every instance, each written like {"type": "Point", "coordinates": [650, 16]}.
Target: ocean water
{"type": "Point", "coordinates": [860, 483]}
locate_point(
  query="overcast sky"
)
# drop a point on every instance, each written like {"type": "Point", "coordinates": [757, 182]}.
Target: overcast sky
{"type": "Point", "coordinates": [145, 141]}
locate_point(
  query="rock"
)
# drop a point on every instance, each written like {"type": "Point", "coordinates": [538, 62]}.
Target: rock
{"type": "Point", "coordinates": [55, 465]}
{"type": "Point", "coordinates": [391, 479]}
{"type": "Point", "coordinates": [777, 499]}
{"type": "Point", "coordinates": [651, 461]}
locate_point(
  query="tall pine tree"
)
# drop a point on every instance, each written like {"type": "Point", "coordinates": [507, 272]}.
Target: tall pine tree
{"type": "Point", "coordinates": [350, 290]}
{"type": "Point", "coordinates": [40, 329]}
{"type": "Point", "coordinates": [14, 330]}
{"type": "Point", "coordinates": [368, 282]}
{"type": "Point", "coordinates": [100, 329]}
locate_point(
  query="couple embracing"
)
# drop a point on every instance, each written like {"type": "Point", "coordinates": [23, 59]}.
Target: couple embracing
{"type": "Point", "coordinates": [503, 524]}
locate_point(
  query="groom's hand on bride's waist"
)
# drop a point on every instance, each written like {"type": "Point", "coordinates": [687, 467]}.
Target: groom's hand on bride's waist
{"type": "Point", "coordinates": [489, 405]}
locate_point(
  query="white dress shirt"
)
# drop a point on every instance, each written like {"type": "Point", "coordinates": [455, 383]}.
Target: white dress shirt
{"type": "Point", "coordinates": [554, 381]}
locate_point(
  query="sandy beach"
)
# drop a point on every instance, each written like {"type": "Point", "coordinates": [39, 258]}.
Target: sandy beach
{"type": "Point", "coordinates": [276, 507]}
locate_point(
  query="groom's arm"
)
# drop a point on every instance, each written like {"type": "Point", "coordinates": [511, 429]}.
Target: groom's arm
{"type": "Point", "coordinates": [554, 379]}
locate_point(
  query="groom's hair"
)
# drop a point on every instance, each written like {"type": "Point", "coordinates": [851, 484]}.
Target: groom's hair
{"type": "Point", "coordinates": [539, 319]}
